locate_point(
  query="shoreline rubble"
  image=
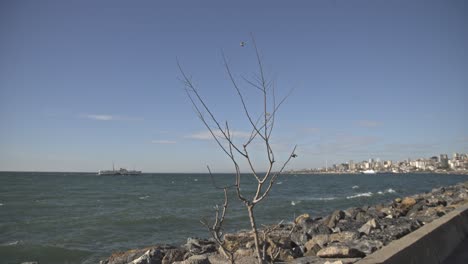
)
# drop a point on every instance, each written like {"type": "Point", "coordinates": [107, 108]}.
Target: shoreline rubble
{"type": "Point", "coordinates": [344, 236]}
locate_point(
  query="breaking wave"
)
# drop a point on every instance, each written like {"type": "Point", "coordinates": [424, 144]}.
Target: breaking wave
{"type": "Point", "coordinates": [366, 194]}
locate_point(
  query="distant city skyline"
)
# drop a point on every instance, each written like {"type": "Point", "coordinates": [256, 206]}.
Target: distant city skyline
{"type": "Point", "coordinates": [84, 84]}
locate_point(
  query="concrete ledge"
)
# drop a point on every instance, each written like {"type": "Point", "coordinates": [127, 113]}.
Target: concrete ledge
{"type": "Point", "coordinates": [432, 243]}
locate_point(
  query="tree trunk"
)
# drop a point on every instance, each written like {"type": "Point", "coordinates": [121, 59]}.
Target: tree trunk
{"type": "Point", "coordinates": [255, 232]}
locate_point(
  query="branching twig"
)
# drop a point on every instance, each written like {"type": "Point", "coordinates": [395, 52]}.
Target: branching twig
{"type": "Point", "coordinates": [262, 130]}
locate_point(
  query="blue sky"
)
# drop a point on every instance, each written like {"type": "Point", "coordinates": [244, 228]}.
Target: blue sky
{"type": "Point", "coordinates": [84, 84]}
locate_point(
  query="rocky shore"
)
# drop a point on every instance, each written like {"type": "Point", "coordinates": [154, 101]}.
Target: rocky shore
{"type": "Point", "coordinates": [345, 236]}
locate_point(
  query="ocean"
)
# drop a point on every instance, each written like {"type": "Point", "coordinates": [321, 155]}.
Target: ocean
{"type": "Point", "coordinates": [83, 218]}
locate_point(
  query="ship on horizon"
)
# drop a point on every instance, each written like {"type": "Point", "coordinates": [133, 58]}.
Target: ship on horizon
{"type": "Point", "coordinates": [121, 171]}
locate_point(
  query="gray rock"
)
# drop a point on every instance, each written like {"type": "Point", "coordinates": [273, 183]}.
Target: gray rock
{"type": "Point", "coordinates": [200, 246]}
{"type": "Point", "coordinates": [152, 256]}
{"type": "Point", "coordinates": [433, 202]}
{"type": "Point", "coordinates": [321, 240]}
{"type": "Point", "coordinates": [365, 245]}
{"type": "Point", "coordinates": [319, 229]}
{"type": "Point", "coordinates": [344, 236]}
{"type": "Point", "coordinates": [334, 218]}
{"type": "Point", "coordinates": [369, 226]}
{"type": "Point", "coordinates": [173, 255]}
{"type": "Point", "coordinates": [197, 259]}
{"type": "Point", "coordinates": [339, 251]}
{"type": "Point", "coordinates": [299, 238]}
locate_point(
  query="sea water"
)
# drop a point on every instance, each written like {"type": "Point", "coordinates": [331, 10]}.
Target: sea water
{"type": "Point", "coordinates": [82, 217]}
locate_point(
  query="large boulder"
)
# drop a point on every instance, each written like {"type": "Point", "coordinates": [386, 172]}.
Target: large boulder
{"type": "Point", "coordinates": [344, 236]}
{"type": "Point", "coordinates": [334, 218]}
{"type": "Point", "coordinates": [407, 202]}
{"type": "Point", "coordinates": [369, 226]}
{"type": "Point", "coordinates": [311, 248]}
{"type": "Point", "coordinates": [340, 251]}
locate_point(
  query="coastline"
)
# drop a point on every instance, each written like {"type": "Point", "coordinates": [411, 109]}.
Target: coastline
{"type": "Point", "coordinates": [379, 172]}
{"type": "Point", "coordinates": [345, 235]}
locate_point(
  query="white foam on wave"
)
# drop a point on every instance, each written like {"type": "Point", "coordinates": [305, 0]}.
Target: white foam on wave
{"type": "Point", "coordinates": [13, 243]}
{"type": "Point", "coordinates": [355, 187]}
{"type": "Point", "coordinates": [1, 204]}
{"type": "Point", "coordinates": [366, 194]}
{"type": "Point", "coordinates": [279, 183]}
{"type": "Point", "coordinates": [390, 190]}
{"type": "Point", "coordinates": [144, 197]}
{"type": "Point", "coordinates": [323, 198]}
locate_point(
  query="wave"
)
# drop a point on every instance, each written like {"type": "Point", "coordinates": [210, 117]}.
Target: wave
{"type": "Point", "coordinates": [390, 190]}
{"type": "Point", "coordinates": [1, 204]}
{"type": "Point", "coordinates": [144, 197]}
{"type": "Point", "coordinates": [355, 187]}
{"type": "Point", "coordinates": [12, 243]}
{"type": "Point", "coordinates": [366, 194]}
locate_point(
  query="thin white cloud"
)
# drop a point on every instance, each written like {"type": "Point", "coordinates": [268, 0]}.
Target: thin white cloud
{"type": "Point", "coordinates": [163, 142]}
{"type": "Point", "coordinates": [206, 135]}
{"type": "Point", "coordinates": [100, 117]}
{"type": "Point", "coordinates": [105, 117]}
{"type": "Point", "coordinates": [369, 123]}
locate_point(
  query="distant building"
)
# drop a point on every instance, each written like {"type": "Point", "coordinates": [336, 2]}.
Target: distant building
{"type": "Point", "coordinates": [443, 161]}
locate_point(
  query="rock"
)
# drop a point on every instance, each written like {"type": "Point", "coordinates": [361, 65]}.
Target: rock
{"type": "Point", "coordinates": [393, 229]}
{"type": "Point", "coordinates": [318, 229]}
{"type": "Point", "coordinates": [362, 216]}
{"type": "Point", "coordinates": [173, 255]}
{"type": "Point", "coordinates": [243, 252]}
{"type": "Point", "coordinates": [130, 255]}
{"type": "Point", "coordinates": [397, 200]}
{"type": "Point", "coordinates": [433, 202]}
{"type": "Point", "coordinates": [237, 240]}
{"type": "Point", "coordinates": [407, 202]}
{"type": "Point", "coordinates": [196, 259]}
{"type": "Point", "coordinates": [334, 218]}
{"type": "Point", "coordinates": [218, 259]}
{"type": "Point", "coordinates": [301, 218]}
{"type": "Point", "coordinates": [311, 248]}
{"type": "Point", "coordinates": [200, 246]}
{"type": "Point", "coordinates": [321, 240]}
{"type": "Point", "coordinates": [340, 252]}
{"type": "Point", "coordinates": [415, 209]}
{"type": "Point", "coordinates": [343, 236]}
{"type": "Point", "coordinates": [299, 238]}
{"type": "Point", "coordinates": [365, 245]}
{"type": "Point", "coordinates": [152, 256]}
{"type": "Point", "coordinates": [369, 226]}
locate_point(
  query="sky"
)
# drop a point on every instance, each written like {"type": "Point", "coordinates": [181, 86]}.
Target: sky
{"type": "Point", "coordinates": [85, 84]}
